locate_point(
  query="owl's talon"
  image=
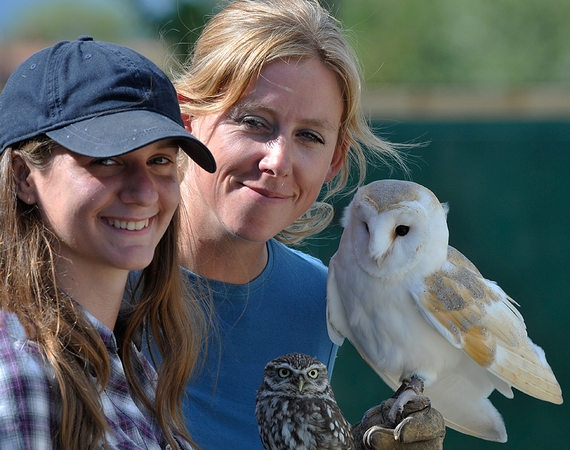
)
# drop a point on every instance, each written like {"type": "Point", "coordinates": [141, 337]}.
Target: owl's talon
{"type": "Point", "coordinates": [411, 391]}
{"type": "Point", "coordinates": [394, 432]}
{"type": "Point", "coordinates": [367, 438]}
{"type": "Point", "coordinates": [399, 428]}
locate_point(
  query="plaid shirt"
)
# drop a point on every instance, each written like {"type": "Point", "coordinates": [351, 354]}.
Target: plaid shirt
{"type": "Point", "coordinates": [30, 407]}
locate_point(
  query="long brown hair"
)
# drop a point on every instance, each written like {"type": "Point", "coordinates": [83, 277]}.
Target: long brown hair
{"type": "Point", "coordinates": [73, 349]}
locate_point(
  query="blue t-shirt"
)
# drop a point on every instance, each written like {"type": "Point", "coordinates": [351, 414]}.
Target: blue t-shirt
{"type": "Point", "coordinates": [281, 311]}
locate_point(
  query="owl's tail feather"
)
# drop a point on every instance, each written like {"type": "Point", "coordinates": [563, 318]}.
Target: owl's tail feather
{"type": "Point", "coordinates": [466, 408]}
{"type": "Point", "coordinates": [525, 368]}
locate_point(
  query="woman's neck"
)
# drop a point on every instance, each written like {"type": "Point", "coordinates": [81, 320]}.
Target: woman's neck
{"type": "Point", "coordinates": [212, 251]}
{"type": "Point", "coordinates": [228, 258]}
{"type": "Point", "coordinates": [99, 292]}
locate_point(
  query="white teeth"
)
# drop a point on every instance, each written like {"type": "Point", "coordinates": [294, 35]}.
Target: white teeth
{"type": "Point", "coordinates": [123, 225]}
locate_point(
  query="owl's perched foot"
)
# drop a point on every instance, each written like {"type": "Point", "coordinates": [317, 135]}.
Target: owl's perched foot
{"type": "Point", "coordinates": [411, 391]}
{"type": "Point", "coordinates": [418, 428]}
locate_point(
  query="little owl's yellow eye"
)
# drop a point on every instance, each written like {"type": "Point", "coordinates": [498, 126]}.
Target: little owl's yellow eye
{"type": "Point", "coordinates": [284, 373]}
{"type": "Point", "coordinates": [313, 373]}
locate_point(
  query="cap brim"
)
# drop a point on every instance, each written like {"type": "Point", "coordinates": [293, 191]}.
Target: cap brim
{"type": "Point", "coordinates": [123, 132]}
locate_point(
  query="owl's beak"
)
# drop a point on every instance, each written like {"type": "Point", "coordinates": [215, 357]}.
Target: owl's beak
{"type": "Point", "coordinates": [301, 384]}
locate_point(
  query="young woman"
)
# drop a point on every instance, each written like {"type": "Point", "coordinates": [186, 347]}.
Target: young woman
{"type": "Point", "coordinates": [273, 89]}
{"type": "Point", "coordinates": [90, 134]}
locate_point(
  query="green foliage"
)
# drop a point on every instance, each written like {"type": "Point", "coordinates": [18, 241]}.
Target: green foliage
{"type": "Point", "coordinates": [460, 41]}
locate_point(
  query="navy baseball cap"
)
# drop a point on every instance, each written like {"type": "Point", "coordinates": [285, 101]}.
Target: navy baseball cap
{"type": "Point", "coordinates": [94, 98]}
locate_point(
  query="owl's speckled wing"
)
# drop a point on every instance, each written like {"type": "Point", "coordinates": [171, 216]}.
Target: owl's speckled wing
{"type": "Point", "coordinates": [476, 315]}
{"type": "Point", "coordinates": [303, 424]}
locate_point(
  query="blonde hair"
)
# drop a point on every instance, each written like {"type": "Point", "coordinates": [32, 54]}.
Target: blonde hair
{"type": "Point", "coordinates": [72, 347]}
{"type": "Point", "coordinates": [241, 39]}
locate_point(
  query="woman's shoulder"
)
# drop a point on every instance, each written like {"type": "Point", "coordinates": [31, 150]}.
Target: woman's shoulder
{"type": "Point", "coordinates": [11, 329]}
{"type": "Point", "coordinates": [28, 393]}
{"type": "Point", "coordinates": [294, 253]}
{"type": "Point", "coordinates": [17, 352]}
{"type": "Point", "coordinates": [296, 260]}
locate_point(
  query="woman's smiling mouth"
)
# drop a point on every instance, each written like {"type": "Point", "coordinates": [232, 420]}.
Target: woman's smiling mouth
{"type": "Point", "coordinates": [269, 193]}
{"type": "Point", "coordinates": [128, 225]}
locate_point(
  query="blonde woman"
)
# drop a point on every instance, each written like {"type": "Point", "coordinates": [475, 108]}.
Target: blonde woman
{"type": "Point", "coordinates": [272, 87]}
{"type": "Point", "coordinates": [90, 134]}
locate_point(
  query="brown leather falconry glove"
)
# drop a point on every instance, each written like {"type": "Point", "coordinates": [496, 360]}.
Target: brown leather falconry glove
{"type": "Point", "coordinates": [416, 427]}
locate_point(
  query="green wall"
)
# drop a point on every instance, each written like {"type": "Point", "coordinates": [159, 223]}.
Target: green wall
{"type": "Point", "coordinates": [507, 185]}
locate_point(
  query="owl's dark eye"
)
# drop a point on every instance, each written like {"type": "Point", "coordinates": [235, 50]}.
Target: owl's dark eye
{"type": "Point", "coordinates": [402, 230]}
{"type": "Point", "coordinates": [284, 373]}
{"type": "Point", "coordinates": [313, 373]}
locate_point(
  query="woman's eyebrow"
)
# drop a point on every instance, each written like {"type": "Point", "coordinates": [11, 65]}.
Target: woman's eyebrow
{"type": "Point", "coordinates": [254, 105]}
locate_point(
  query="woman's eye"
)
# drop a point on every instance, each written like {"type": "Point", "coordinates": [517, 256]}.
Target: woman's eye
{"type": "Point", "coordinates": [311, 136]}
{"type": "Point", "coordinates": [253, 123]}
{"type": "Point", "coordinates": [105, 161]}
{"type": "Point", "coordinates": [161, 160]}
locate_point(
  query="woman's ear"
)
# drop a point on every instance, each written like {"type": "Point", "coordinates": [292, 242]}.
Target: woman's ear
{"type": "Point", "coordinates": [337, 160]}
{"type": "Point", "coordinates": [187, 122]}
{"type": "Point", "coordinates": [25, 187]}
{"type": "Point", "coordinates": [186, 118]}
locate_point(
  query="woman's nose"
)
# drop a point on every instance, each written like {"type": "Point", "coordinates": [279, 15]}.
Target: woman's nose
{"type": "Point", "coordinates": [278, 160]}
{"type": "Point", "coordinates": [139, 187]}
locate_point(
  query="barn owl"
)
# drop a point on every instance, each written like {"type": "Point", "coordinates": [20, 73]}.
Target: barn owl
{"type": "Point", "coordinates": [413, 306]}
